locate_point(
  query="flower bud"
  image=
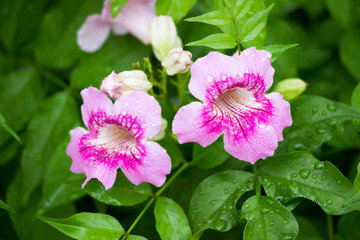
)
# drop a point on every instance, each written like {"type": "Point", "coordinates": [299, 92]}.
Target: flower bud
{"type": "Point", "coordinates": [177, 61]}
{"type": "Point", "coordinates": [161, 133]}
{"type": "Point", "coordinates": [163, 36]}
{"type": "Point", "coordinates": [291, 88]}
{"type": "Point", "coordinates": [116, 85]}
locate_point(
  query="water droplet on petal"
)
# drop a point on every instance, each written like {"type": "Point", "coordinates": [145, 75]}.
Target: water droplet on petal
{"type": "Point", "coordinates": [209, 78]}
{"type": "Point", "coordinates": [268, 55]}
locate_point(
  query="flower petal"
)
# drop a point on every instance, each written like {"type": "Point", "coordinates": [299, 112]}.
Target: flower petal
{"type": "Point", "coordinates": [281, 113]}
{"type": "Point", "coordinates": [153, 168]}
{"type": "Point", "coordinates": [93, 33]}
{"type": "Point", "coordinates": [94, 102]}
{"type": "Point", "coordinates": [211, 68]}
{"type": "Point", "coordinates": [73, 150]}
{"type": "Point", "coordinates": [136, 17]}
{"type": "Point", "coordinates": [145, 108]}
{"type": "Point", "coordinates": [105, 173]}
{"type": "Point", "coordinates": [260, 142]}
{"type": "Point", "coordinates": [189, 126]}
{"type": "Point", "coordinates": [257, 62]}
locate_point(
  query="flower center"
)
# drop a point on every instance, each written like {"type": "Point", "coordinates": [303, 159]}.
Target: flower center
{"type": "Point", "coordinates": [115, 137]}
{"type": "Point", "coordinates": [235, 102]}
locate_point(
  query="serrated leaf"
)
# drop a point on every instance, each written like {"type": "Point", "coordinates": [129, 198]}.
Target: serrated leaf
{"type": "Point", "coordinates": [277, 50]}
{"type": "Point", "coordinates": [254, 25]}
{"type": "Point", "coordinates": [216, 41]}
{"type": "Point", "coordinates": [122, 193]}
{"type": "Point", "coordinates": [211, 156]}
{"type": "Point", "coordinates": [213, 203]}
{"type": "Point", "coordinates": [267, 219]}
{"type": "Point", "coordinates": [60, 184]}
{"type": "Point", "coordinates": [84, 226]}
{"type": "Point", "coordinates": [4, 124]}
{"type": "Point", "coordinates": [55, 119]}
{"type": "Point", "coordinates": [299, 174]}
{"type": "Point", "coordinates": [116, 6]}
{"type": "Point", "coordinates": [216, 18]}
{"type": "Point", "coordinates": [314, 121]}
{"type": "Point", "coordinates": [3, 205]}
{"type": "Point", "coordinates": [174, 8]}
{"type": "Point", "coordinates": [171, 221]}
{"type": "Point", "coordinates": [349, 49]}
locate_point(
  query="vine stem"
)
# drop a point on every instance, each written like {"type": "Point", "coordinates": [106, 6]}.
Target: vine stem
{"type": "Point", "coordinates": [154, 197]}
{"type": "Point", "coordinates": [257, 182]}
{"type": "Point", "coordinates": [330, 226]}
{"type": "Point", "coordinates": [236, 31]}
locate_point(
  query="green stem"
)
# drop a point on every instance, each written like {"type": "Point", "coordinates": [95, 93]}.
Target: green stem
{"type": "Point", "coordinates": [236, 31]}
{"type": "Point", "coordinates": [154, 197]}
{"type": "Point", "coordinates": [330, 226]}
{"type": "Point", "coordinates": [257, 182]}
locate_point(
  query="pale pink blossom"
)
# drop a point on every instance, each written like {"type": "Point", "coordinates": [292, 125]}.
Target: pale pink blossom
{"type": "Point", "coordinates": [116, 85]}
{"type": "Point", "coordinates": [117, 138]}
{"type": "Point", "coordinates": [177, 61]}
{"type": "Point", "coordinates": [135, 17]}
{"type": "Point", "coordinates": [234, 103]}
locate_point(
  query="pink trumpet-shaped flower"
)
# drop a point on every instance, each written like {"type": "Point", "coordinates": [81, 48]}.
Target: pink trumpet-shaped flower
{"type": "Point", "coordinates": [135, 17]}
{"type": "Point", "coordinates": [117, 138]}
{"type": "Point", "coordinates": [232, 91]}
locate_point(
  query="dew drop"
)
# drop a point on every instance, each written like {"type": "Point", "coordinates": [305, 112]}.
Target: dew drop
{"type": "Point", "coordinates": [136, 101]}
{"type": "Point", "coordinates": [223, 77]}
{"type": "Point", "coordinates": [331, 107]}
{"type": "Point", "coordinates": [123, 113]}
{"type": "Point", "coordinates": [324, 177]}
{"type": "Point", "coordinates": [270, 202]}
{"type": "Point", "coordinates": [201, 193]}
{"type": "Point", "coordinates": [320, 130]}
{"type": "Point", "coordinates": [265, 210]}
{"type": "Point", "coordinates": [126, 104]}
{"type": "Point", "coordinates": [285, 222]}
{"type": "Point", "coordinates": [246, 205]}
{"type": "Point", "coordinates": [268, 55]}
{"type": "Point", "coordinates": [209, 221]}
{"type": "Point", "coordinates": [226, 191]}
{"type": "Point", "coordinates": [271, 223]}
{"type": "Point", "coordinates": [304, 173]}
{"type": "Point", "coordinates": [296, 144]}
{"type": "Point", "coordinates": [314, 176]}
{"type": "Point", "coordinates": [212, 184]}
{"type": "Point", "coordinates": [329, 202]}
{"type": "Point", "coordinates": [332, 121]}
{"type": "Point", "coordinates": [213, 202]}
{"type": "Point", "coordinates": [319, 165]}
{"type": "Point", "coordinates": [339, 182]}
{"type": "Point", "coordinates": [323, 113]}
{"type": "Point", "coordinates": [293, 175]}
{"type": "Point", "coordinates": [315, 110]}
{"type": "Point", "coordinates": [209, 78]}
{"type": "Point", "coordinates": [287, 236]}
{"type": "Point", "coordinates": [220, 225]}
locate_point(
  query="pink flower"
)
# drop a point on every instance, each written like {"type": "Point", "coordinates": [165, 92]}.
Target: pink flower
{"type": "Point", "coordinates": [117, 138]}
{"type": "Point", "coordinates": [232, 91]}
{"type": "Point", "coordinates": [135, 17]}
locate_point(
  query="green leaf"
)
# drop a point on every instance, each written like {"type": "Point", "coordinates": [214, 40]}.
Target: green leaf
{"type": "Point", "coordinates": [123, 193]}
{"type": "Point", "coordinates": [4, 124]}
{"type": "Point", "coordinates": [241, 7]}
{"type": "Point", "coordinates": [174, 8]}
{"type": "Point", "coordinates": [85, 226]}
{"type": "Point", "coordinates": [268, 219]}
{"type": "Point", "coordinates": [345, 226]}
{"type": "Point", "coordinates": [3, 205]}
{"type": "Point", "coordinates": [344, 12]}
{"type": "Point", "coordinates": [277, 50]}
{"type": "Point", "coordinates": [216, 41]}
{"type": "Point", "coordinates": [172, 148]}
{"type": "Point", "coordinates": [135, 237]}
{"type": "Point", "coordinates": [55, 119]}
{"type": "Point", "coordinates": [254, 25]}
{"type": "Point", "coordinates": [114, 56]}
{"type": "Point", "coordinates": [56, 44]}
{"type": "Point", "coordinates": [19, 22]}
{"type": "Point", "coordinates": [211, 156]}
{"type": "Point", "coordinates": [213, 203]}
{"type": "Point", "coordinates": [116, 6]}
{"type": "Point", "coordinates": [299, 174]}
{"type": "Point", "coordinates": [349, 49]}
{"type": "Point", "coordinates": [216, 18]}
{"type": "Point", "coordinates": [171, 222]}
{"type": "Point", "coordinates": [20, 96]}
{"type": "Point", "coordinates": [314, 122]}
{"type": "Point", "coordinates": [355, 98]}
{"type": "Point", "coordinates": [60, 184]}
